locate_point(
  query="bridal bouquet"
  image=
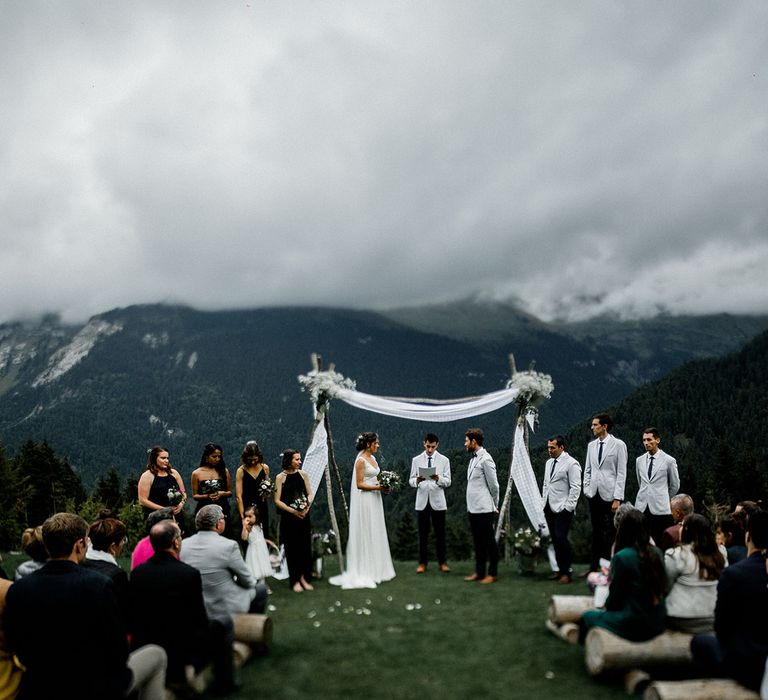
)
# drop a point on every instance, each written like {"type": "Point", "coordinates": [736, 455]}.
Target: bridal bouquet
{"type": "Point", "coordinates": [266, 488]}
{"type": "Point", "coordinates": [300, 503]}
{"type": "Point", "coordinates": [389, 480]}
{"type": "Point", "coordinates": [174, 496]}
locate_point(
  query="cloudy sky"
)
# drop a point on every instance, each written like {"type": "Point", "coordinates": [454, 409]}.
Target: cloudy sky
{"type": "Point", "coordinates": [577, 157]}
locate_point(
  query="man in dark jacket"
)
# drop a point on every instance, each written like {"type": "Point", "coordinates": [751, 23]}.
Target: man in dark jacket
{"type": "Point", "coordinates": [64, 625]}
{"type": "Point", "coordinates": [167, 609]}
{"type": "Point", "coordinates": [740, 647]}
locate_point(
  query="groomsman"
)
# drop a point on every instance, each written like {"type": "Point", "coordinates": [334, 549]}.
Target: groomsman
{"type": "Point", "coordinates": [560, 494]}
{"type": "Point", "coordinates": [482, 505]}
{"type": "Point", "coordinates": [658, 481]}
{"type": "Point", "coordinates": [605, 474]}
{"type": "Point", "coordinates": [430, 500]}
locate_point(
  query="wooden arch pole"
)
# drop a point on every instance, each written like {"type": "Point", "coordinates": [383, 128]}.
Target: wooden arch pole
{"type": "Point", "coordinates": [322, 415]}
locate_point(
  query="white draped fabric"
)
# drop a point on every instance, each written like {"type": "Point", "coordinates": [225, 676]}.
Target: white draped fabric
{"type": "Point", "coordinates": [316, 458]}
{"type": "Point", "coordinates": [436, 413]}
{"type": "Point", "coordinates": [525, 480]}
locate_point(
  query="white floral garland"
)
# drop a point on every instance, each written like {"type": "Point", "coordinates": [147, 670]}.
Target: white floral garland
{"type": "Point", "coordinates": [533, 387]}
{"type": "Point", "coordinates": [323, 386]}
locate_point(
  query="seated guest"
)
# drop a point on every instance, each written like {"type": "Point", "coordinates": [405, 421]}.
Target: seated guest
{"type": "Point", "coordinates": [681, 506]}
{"type": "Point", "coordinates": [167, 609]}
{"type": "Point", "coordinates": [693, 570]}
{"type": "Point", "coordinates": [143, 549]}
{"type": "Point", "coordinates": [229, 587]}
{"type": "Point", "coordinates": [10, 673]}
{"type": "Point", "coordinates": [635, 607]}
{"type": "Point", "coordinates": [740, 646]}
{"type": "Point", "coordinates": [733, 539]}
{"type": "Point", "coordinates": [64, 626]}
{"type": "Point", "coordinates": [32, 544]}
{"type": "Point", "coordinates": [108, 536]}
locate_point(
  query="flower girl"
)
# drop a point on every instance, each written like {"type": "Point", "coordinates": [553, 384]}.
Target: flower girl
{"type": "Point", "coordinates": [257, 556]}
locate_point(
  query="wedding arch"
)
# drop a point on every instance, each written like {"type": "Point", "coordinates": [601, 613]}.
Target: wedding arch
{"type": "Point", "coordinates": [527, 390]}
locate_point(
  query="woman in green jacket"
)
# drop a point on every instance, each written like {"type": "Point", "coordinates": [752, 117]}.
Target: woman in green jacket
{"type": "Point", "coordinates": [635, 608]}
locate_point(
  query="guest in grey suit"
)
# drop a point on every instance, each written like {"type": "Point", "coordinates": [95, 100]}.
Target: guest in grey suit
{"type": "Point", "coordinates": [229, 587]}
{"type": "Point", "coordinates": [658, 481]}
{"type": "Point", "coordinates": [560, 494]}
{"type": "Point", "coordinates": [430, 500]}
{"type": "Point", "coordinates": [482, 506]}
{"type": "Point", "coordinates": [605, 474]}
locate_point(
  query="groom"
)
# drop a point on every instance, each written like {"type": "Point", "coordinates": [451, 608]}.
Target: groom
{"type": "Point", "coordinates": [482, 505]}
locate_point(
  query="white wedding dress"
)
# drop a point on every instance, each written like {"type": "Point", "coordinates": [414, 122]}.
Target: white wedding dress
{"type": "Point", "coordinates": [368, 561]}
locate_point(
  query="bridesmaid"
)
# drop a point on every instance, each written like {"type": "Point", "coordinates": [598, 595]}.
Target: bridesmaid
{"type": "Point", "coordinates": [161, 486]}
{"type": "Point", "coordinates": [248, 477]}
{"type": "Point", "coordinates": [211, 483]}
{"type": "Point", "coordinates": [292, 486]}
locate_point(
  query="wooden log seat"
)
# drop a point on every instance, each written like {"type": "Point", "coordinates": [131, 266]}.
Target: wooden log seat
{"type": "Point", "coordinates": [568, 608]}
{"type": "Point", "coordinates": [699, 689]}
{"type": "Point", "coordinates": [604, 651]}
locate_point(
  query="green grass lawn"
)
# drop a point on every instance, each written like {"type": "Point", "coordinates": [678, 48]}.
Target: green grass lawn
{"type": "Point", "coordinates": [420, 636]}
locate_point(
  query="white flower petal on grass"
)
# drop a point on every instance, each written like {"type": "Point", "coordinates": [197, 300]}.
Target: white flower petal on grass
{"type": "Point", "coordinates": [437, 601]}
{"type": "Point", "coordinates": [338, 603]}
{"type": "Point", "coordinates": [311, 614]}
{"type": "Point", "coordinates": [367, 601]}
{"type": "Point", "coordinates": [271, 608]}
{"type": "Point", "coordinates": [331, 609]}
{"type": "Point", "coordinates": [417, 606]}
{"type": "Point", "coordinates": [410, 606]}
{"type": "Point", "coordinates": [389, 598]}
{"type": "Point", "coordinates": [316, 623]}
{"type": "Point", "coordinates": [549, 675]}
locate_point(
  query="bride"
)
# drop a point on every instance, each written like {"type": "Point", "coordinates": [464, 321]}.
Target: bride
{"type": "Point", "coordinates": [368, 559]}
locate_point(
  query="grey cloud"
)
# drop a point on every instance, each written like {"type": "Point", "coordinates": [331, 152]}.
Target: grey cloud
{"type": "Point", "coordinates": [599, 157]}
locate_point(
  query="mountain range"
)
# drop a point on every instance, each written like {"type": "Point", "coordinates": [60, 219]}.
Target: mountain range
{"type": "Point", "coordinates": [103, 391]}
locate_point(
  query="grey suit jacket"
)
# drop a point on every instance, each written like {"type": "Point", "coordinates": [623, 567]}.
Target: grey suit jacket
{"type": "Point", "coordinates": [429, 490]}
{"type": "Point", "coordinates": [608, 477]}
{"type": "Point", "coordinates": [562, 489]}
{"type": "Point", "coordinates": [482, 484]}
{"type": "Point", "coordinates": [663, 484]}
{"type": "Point", "coordinates": [228, 585]}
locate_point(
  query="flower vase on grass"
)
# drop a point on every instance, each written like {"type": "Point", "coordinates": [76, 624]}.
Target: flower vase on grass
{"type": "Point", "coordinates": [527, 544]}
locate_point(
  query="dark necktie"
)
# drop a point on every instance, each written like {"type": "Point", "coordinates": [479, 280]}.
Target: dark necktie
{"type": "Point", "coordinates": [429, 463]}
{"type": "Point", "coordinates": [600, 452]}
{"type": "Point", "coordinates": [650, 467]}
{"type": "Point", "coordinates": [552, 471]}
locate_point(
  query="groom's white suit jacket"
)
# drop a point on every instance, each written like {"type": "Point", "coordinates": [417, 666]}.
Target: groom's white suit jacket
{"type": "Point", "coordinates": [429, 490]}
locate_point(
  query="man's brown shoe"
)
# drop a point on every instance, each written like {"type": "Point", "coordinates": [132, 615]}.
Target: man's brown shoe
{"type": "Point", "coordinates": [489, 579]}
{"type": "Point", "coordinates": [445, 568]}
{"type": "Point", "coordinates": [565, 578]}
{"type": "Point", "coordinates": [421, 568]}
{"type": "Point", "coordinates": [472, 577]}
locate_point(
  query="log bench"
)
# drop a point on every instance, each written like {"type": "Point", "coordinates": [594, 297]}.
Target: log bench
{"type": "Point", "coordinates": [699, 689]}
{"type": "Point", "coordinates": [568, 608]}
{"type": "Point", "coordinates": [604, 651]}
{"type": "Point", "coordinates": [253, 633]}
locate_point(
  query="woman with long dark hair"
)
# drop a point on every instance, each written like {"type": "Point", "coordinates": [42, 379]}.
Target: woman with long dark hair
{"type": "Point", "coordinates": [635, 608]}
{"type": "Point", "coordinates": [211, 483]}
{"type": "Point", "coordinates": [293, 497]}
{"type": "Point", "coordinates": [693, 570]}
{"type": "Point", "coordinates": [249, 476]}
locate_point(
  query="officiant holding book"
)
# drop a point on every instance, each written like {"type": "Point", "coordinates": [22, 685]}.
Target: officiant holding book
{"type": "Point", "coordinates": [430, 476]}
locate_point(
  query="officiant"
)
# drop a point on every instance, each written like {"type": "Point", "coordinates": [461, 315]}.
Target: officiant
{"type": "Point", "coordinates": [430, 476]}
